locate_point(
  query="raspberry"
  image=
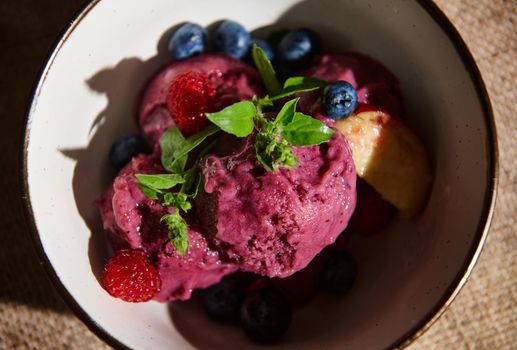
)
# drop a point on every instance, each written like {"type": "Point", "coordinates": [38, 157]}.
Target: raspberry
{"type": "Point", "coordinates": [191, 94]}
{"type": "Point", "coordinates": [129, 276]}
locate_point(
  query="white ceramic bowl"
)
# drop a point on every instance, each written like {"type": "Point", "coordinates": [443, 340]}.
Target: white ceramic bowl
{"type": "Point", "coordinates": [408, 275]}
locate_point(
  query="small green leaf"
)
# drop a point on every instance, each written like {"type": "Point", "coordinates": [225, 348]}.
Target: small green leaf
{"type": "Point", "coordinates": [264, 138]}
{"type": "Point", "coordinates": [177, 200]}
{"type": "Point", "coordinates": [177, 231]}
{"type": "Point", "coordinates": [286, 114]}
{"type": "Point", "coordinates": [236, 119]}
{"type": "Point", "coordinates": [305, 83]}
{"type": "Point", "coordinates": [160, 181]}
{"type": "Point", "coordinates": [171, 144]}
{"type": "Point", "coordinates": [304, 130]}
{"type": "Point", "coordinates": [287, 158]}
{"type": "Point", "coordinates": [266, 70]}
{"type": "Point", "coordinates": [149, 192]}
{"type": "Point", "coordinates": [264, 102]}
{"type": "Point", "coordinates": [296, 85]}
{"type": "Point", "coordinates": [271, 151]}
{"type": "Point", "coordinates": [283, 156]}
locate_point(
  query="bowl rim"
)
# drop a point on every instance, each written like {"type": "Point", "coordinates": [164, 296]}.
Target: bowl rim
{"type": "Point", "coordinates": [416, 330]}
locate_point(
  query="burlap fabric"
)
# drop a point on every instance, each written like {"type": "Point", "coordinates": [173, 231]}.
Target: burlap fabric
{"type": "Point", "coordinates": [32, 316]}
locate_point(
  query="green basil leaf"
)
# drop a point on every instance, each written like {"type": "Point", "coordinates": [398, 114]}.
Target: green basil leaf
{"type": "Point", "coordinates": [266, 70]}
{"type": "Point", "coordinates": [149, 192]}
{"type": "Point", "coordinates": [304, 83]}
{"type": "Point", "coordinates": [177, 231]}
{"type": "Point", "coordinates": [286, 114]}
{"type": "Point", "coordinates": [296, 85]}
{"type": "Point", "coordinates": [160, 181]}
{"type": "Point", "coordinates": [175, 148]}
{"type": "Point", "coordinates": [191, 143]}
{"type": "Point", "coordinates": [196, 139]}
{"type": "Point", "coordinates": [304, 130]}
{"type": "Point", "coordinates": [236, 119]}
{"type": "Point", "coordinates": [171, 144]}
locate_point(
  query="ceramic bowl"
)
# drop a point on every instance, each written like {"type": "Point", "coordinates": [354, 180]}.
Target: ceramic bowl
{"type": "Point", "coordinates": [85, 99]}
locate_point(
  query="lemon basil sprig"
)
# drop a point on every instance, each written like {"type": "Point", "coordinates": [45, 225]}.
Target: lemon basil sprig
{"type": "Point", "coordinates": [178, 188]}
{"type": "Point", "coordinates": [275, 138]}
{"type": "Point", "coordinates": [273, 146]}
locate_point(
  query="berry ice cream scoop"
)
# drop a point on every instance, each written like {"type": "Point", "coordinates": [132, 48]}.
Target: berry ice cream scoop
{"type": "Point", "coordinates": [274, 223]}
{"type": "Point", "coordinates": [132, 221]}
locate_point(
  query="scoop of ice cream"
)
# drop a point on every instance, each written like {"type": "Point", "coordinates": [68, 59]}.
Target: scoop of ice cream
{"type": "Point", "coordinates": [132, 220]}
{"type": "Point", "coordinates": [232, 79]}
{"type": "Point", "coordinates": [273, 224]}
{"type": "Point", "coordinates": [374, 83]}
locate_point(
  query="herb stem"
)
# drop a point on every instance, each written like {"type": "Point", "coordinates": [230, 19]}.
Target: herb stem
{"type": "Point", "coordinates": [259, 117]}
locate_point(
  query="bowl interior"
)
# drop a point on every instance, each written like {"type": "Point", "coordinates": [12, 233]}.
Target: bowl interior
{"type": "Point", "coordinates": [87, 99]}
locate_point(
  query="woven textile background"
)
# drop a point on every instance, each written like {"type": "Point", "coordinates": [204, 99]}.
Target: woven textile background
{"type": "Point", "coordinates": [32, 315]}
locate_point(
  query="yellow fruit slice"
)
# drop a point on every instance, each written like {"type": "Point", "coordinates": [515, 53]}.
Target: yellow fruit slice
{"type": "Point", "coordinates": [390, 157]}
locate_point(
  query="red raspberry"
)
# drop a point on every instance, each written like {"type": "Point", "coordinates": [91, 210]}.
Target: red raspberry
{"type": "Point", "coordinates": [191, 94]}
{"type": "Point", "coordinates": [129, 276]}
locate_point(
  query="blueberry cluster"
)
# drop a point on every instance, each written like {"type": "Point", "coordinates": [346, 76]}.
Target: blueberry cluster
{"type": "Point", "coordinates": [232, 39]}
{"type": "Point", "coordinates": [265, 313]}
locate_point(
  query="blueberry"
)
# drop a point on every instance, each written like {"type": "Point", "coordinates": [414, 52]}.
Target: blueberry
{"type": "Point", "coordinates": [232, 39]}
{"type": "Point", "coordinates": [223, 300]}
{"type": "Point", "coordinates": [339, 272]}
{"type": "Point", "coordinates": [189, 39]}
{"type": "Point", "coordinates": [298, 46]}
{"type": "Point", "coordinates": [264, 45]}
{"type": "Point", "coordinates": [339, 100]}
{"type": "Point", "coordinates": [126, 148]}
{"type": "Point", "coordinates": [265, 315]}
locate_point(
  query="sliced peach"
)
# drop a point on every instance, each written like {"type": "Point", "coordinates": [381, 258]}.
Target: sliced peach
{"type": "Point", "coordinates": [389, 157]}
